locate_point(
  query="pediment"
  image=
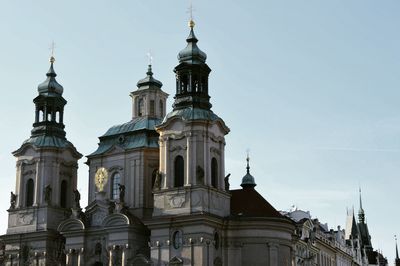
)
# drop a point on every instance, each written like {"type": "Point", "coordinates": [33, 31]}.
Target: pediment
{"type": "Point", "coordinates": [71, 224]}
{"type": "Point", "coordinates": [116, 219]}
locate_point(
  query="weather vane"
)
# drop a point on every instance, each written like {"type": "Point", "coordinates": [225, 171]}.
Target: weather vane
{"type": "Point", "coordinates": [150, 57]}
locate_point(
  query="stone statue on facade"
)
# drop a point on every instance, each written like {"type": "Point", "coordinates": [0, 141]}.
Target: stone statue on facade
{"type": "Point", "coordinates": [47, 194]}
{"type": "Point", "coordinates": [157, 181]}
{"type": "Point", "coordinates": [77, 198]}
{"type": "Point", "coordinates": [13, 200]}
{"type": "Point", "coordinates": [199, 175]}
{"type": "Point", "coordinates": [226, 180]}
{"type": "Point", "coordinates": [121, 193]}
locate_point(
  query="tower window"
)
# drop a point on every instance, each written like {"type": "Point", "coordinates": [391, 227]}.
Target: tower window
{"type": "Point", "coordinates": [214, 172]}
{"type": "Point", "coordinates": [161, 108]}
{"type": "Point", "coordinates": [29, 192]}
{"type": "Point", "coordinates": [179, 171]}
{"type": "Point", "coordinates": [177, 239]}
{"type": "Point", "coordinates": [152, 107]}
{"type": "Point", "coordinates": [63, 194]}
{"type": "Point", "coordinates": [58, 116]}
{"type": "Point", "coordinates": [116, 179]}
{"type": "Point", "coordinates": [140, 107]}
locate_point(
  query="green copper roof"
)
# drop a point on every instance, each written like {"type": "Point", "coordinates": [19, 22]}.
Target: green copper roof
{"type": "Point", "coordinates": [137, 133]}
{"type": "Point", "coordinates": [191, 53]}
{"type": "Point", "coordinates": [248, 179]}
{"type": "Point", "coordinates": [126, 143]}
{"type": "Point", "coordinates": [48, 141]}
{"type": "Point", "coordinates": [190, 113]}
{"type": "Point", "coordinates": [44, 141]}
{"type": "Point", "coordinates": [149, 82]}
{"type": "Point", "coordinates": [138, 123]}
{"type": "Point", "coordinates": [50, 86]}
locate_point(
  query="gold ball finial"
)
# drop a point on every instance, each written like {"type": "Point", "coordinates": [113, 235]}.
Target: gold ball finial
{"type": "Point", "coordinates": [191, 23]}
{"type": "Point", "coordinates": [52, 59]}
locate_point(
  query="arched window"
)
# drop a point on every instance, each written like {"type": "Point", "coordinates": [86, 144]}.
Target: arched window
{"type": "Point", "coordinates": [214, 172]}
{"type": "Point", "coordinates": [29, 192]}
{"type": "Point", "coordinates": [140, 107]}
{"type": "Point", "coordinates": [115, 180]}
{"type": "Point", "coordinates": [58, 116]}
{"type": "Point", "coordinates": [63, 194]}
{"type": "Point", "coordinates": [179, 171]}
{"type": "Point", "coordinates": [152, 107]}
{"type": "Point", "coordinates": [161, 108]}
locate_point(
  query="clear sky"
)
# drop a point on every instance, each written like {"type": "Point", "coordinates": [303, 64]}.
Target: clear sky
{"type": "Point", "coordinates": [310, 87]}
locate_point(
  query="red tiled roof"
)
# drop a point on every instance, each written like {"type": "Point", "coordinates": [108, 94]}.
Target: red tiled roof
{"type": "Point", "coordinates": [248, 202]}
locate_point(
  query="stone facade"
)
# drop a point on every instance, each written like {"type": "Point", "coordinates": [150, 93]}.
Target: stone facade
{"type": "Point", "coordinates": [158, 192]}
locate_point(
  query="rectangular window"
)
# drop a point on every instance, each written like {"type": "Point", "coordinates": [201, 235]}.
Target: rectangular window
{"type": "Point", "coordinates": [152, 107]}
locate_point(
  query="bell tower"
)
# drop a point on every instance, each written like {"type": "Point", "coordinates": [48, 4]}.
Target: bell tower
{"type": "Point", "coordinates": [190, 185]}
{"type": "Point", "coordinates": [192, 143]}
{"type": "Point", "coordinates": [45, 180]}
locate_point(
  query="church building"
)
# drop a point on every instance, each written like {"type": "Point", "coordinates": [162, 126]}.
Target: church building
{"type": "Point", "coordinates": [158, 192]}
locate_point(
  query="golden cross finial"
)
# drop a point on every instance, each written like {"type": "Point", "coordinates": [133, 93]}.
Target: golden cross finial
{"type": "Point", "coordinates": [150, 57]}
{"type": "Point", "coordinates": [190, 11]}
{"type": "Point", "coordinates": [52, 48]}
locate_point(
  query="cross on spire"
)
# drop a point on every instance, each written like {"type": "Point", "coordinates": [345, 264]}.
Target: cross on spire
{"type": "Point", "coordinates": [150, 57]}
{"type": "Point", "coordinates": [190, 11]}
{"type": "Point", "coordinates": [52, 48]}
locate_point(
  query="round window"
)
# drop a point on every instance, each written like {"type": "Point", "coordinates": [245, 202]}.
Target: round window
{"type": "Point", "coordinates": [177, 239]}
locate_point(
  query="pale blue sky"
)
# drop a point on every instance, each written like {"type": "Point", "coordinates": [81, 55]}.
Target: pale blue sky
{"type": "Point", "coordinates": [310, 87]}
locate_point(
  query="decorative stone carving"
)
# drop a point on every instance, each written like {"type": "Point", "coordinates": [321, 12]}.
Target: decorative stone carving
{"type": "Point", "coordinates": [226, 180]}
{"type": "Point", "coordinates": [178, 148]}
{"type": "Point", "coordinates": [176, 201]}
{"type": "Point", "coordinates": [98, 218]}
{"type": "Point", "coordinates": [25, 218]}
{"type": "Point", "coordinates": [215, 150]}
{"type": "Point", "coordinates": [157, 181]}
{"type": "Point", "coordinates": [77, 198]}
{"type": "Point", "coordinates": [121, 193]}
{"type": "Point", "coordinates": [199, 175]}
{"type": "Point", "coordinates": [13, 200]}
{"type": "Point", "coordinates": [47, 194]}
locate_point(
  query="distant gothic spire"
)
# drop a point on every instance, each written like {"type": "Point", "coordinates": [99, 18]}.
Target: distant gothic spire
{"type": "Point", "coordinates": [361, 214]}
{"type": "Point", "coordinates": [248, 179]}
{"type": "Point", "coordinates": [397, 260]}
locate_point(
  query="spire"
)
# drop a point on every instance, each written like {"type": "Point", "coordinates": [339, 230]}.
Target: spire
{"type": "Point", "coordinates": [361, 214]}
{"type": "Point", "coordinates": [50, 86]}
{"type": "Point", "coordinates": [49, 106]}
{"type": "Point", "coordinates": [149, 82]}
{"type": "Point", "coordinates": [397, 251]}
{"type": "Point", "coordinates": [191, 53]}
{"type": "Point", "coordinates": [248, 179]}
{"type": "Point", "coordinates": [192, 76]}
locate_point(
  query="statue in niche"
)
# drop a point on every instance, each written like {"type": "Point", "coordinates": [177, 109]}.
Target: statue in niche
{"type": "Point", "coordinates": [199, 175]}
{"type": "Point", "coordinates": [13, 200]}
{"type": "Point", "coordinates": [157, 180]}
{"type": "Point", "coordinates": [121, 193]}
{"type": "Point", "coordinates": [77, 198]}
{"type": "Point", "coordinates": [47, 194]}
{"type": "Point", "coordinates": [226, 180]}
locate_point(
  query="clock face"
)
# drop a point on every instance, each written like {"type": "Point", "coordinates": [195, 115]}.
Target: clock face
{"type": "Point", "coordinates": [100, 179]}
